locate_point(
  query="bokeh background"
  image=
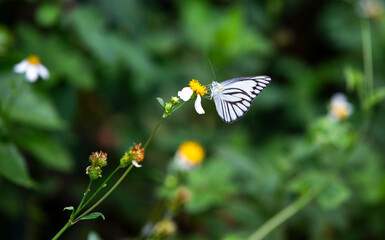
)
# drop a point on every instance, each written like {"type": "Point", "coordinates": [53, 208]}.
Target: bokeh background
{"type": "Point", "coordinates": [110, 59]}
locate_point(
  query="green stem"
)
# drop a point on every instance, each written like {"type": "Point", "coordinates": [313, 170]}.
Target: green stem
{"type": "Point", "coordinates": [153, 132]}
{"type": "Point", "coordinates": [367, 58]}
{"type": "Point", "coordinates": [104, 196]}
{"type": "Point", "coordinates": [288, 211]}
{"type": "Point", "coordinates": [68, 224]}
{"type": "Point", "coordinates": [97, 191]}
{"type": "Point", "coordinates": [183, 103]}
{"type": "Point", "coordinates": [81, 202]}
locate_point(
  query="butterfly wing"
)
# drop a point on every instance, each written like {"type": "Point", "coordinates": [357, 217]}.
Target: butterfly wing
{"type": "Point", "coordinates": [233, 97]}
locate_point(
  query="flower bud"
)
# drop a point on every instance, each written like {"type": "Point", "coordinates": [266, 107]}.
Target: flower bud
{"type": "Point", "coordinates": [168, 107]}
{"type": "Point", "coordinates": [164, 229]}
{"type": "Point", "coordinates": [135, 155]}
{"type": "Point", "coordinates": [97, 160]}
{"type": "Point", "coordinates": [94, 172]}
{"type": "Point", "coordinates": [174, 101]}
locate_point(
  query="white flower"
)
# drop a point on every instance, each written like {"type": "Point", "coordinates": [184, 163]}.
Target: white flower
{"type": "Point", "coordinates": [32, 69]}
{"type": "Point", "coordinates": [339, 108]}
{"type": "Point", "coordinates": [194, 87]}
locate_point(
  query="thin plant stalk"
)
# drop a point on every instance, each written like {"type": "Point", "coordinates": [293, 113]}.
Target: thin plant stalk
{"type": "Point", "coordinates": [97, 191]}
{"type": "Point", "coordinates": [68, 224]}
{"type": "Point", "coordinates": [73, 221]}
{"type": "Point", "coordinates": [367, 58]}
{"type": "Point", "coordinates": [81, 202]}
{"type": "Point", "coordinates": [290, 210]}
{"type": "Point", "coordinates": [153, 132]}
{"type": "Point", "coordinates": [105, 195]}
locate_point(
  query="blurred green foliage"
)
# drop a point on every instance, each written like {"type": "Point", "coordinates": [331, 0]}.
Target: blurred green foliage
{"type": "Point", "coordinates": [110, 59]}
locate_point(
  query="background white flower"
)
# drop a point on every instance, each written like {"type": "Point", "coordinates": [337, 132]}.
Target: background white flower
{"type": "Point", "coordinates": [32, 69]}
{"type": "Point", "coordinates": [339, 108]}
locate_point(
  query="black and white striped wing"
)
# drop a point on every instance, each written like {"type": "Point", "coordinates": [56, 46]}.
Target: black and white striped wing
{"type": "Point", "coordinates": [234, 98]}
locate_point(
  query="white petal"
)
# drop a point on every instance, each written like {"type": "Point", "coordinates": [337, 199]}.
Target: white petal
{"type": "Point", "coordinates": [136, 164]}
{"type": "Point", "coordinates": [21, 67]}
{"type": "Point", "coordinates": [185, 94]}
{"type": "Point", "coordinates": [43, 71]}
{"type": "Point", "coordinates": [198, 105]}
{"type": "Point", "coordinates": [338, 98]}
{"type": "Point", "coordinates": [32, 73]}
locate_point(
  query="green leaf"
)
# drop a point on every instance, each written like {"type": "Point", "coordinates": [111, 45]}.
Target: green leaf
{"type": "Point", "coordinates": [46, 150]}
{"type": "Point", "coordinates": [48, 14]}
{"type": "Point", "coordinates": [210, 187]}
{"type": "Point", "coordinates": [160, 100]}
{"type": "Point", "coordinates": [378, 96]}
{"type": "Point", "coordinates": [93, 216]}
{"type": "Point", "coordinates": [70, 208]}
{"type": "Point", "coordinates": [353, 78]}
{"type": "Point", "coordinates": [334, 194]}
{"type": "Point", "coordinates": [5, 40]}
{"type": "Point", "coordinates": [26, 105]}
{"type": "Point", "coordinates": [13, 167]}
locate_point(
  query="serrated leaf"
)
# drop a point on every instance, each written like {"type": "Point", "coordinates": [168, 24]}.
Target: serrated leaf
{"type": "Point", "coordinates": [93, 216]}
{"type": "Point", "coordinates": [160, 100]}
{"type": "Point", "coordinates": [13, 167]}
{"type": "Point", "coordinates": [46, 150]}
{"type": "Point", "coordinates": [70, 208]}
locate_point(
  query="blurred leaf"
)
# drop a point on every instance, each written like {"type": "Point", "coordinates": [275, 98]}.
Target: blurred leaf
{"type": "Point", "coordinates": [26, 105]}
{"type": "Point", "coordinates": [377, 97]}
{"type": "Point", "coordinates": [112, 48]}
{"type": "Point", "coordinates": [353, 78]}
{"type": "Point", "coordinates": [232, 237]}
{"type": "Point", "coordinates": [93, 216]}
{"type": "Point", "coordinates": [48, 14]}
{"type": "Point", "coordinates": [324, 132]}
{"type": "Point", "coordinates": [335, 193]}
{"type": "Point", "coordinates": [306, 180]}
{"type": "Point", "coordinates": [46, 150]}
{"type": "Point", "coordinates": [13, 167]}
{"type": "Point", "coordinates": [5, 40]}
{"type": "Point", "coordinates": [89, 26]}
{"type": "Point", "coordinates": [367, 174]}
{"type": "Point", "coordinates": [211, 185]}
{"type": "Point", "coordinates": [93, 236]}
{"type": "Point", "coordinates": [13, 200]}
{"type": "Point", "coordinates": [341, 24]}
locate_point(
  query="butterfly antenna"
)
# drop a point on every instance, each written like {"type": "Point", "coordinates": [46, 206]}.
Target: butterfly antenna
{"type": "Point", "coordinates": [212, 69]}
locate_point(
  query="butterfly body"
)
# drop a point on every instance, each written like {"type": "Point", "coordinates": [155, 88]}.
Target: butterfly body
{"type": "Point", "coordinates": [233, 97]}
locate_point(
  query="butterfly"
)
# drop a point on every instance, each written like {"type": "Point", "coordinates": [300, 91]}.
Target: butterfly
{"type": "Point", "coordinates": [233, 97]}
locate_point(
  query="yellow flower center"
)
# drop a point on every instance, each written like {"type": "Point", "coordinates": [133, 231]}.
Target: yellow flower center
{"type": "Point", "coordinates": [34, 60]}
{"type": "Point", "coordinates": [193, 151]}
{"type": "Point", "coordinates": [197, 87]}
{"type": "Point", "coordinates": [341, 111]}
